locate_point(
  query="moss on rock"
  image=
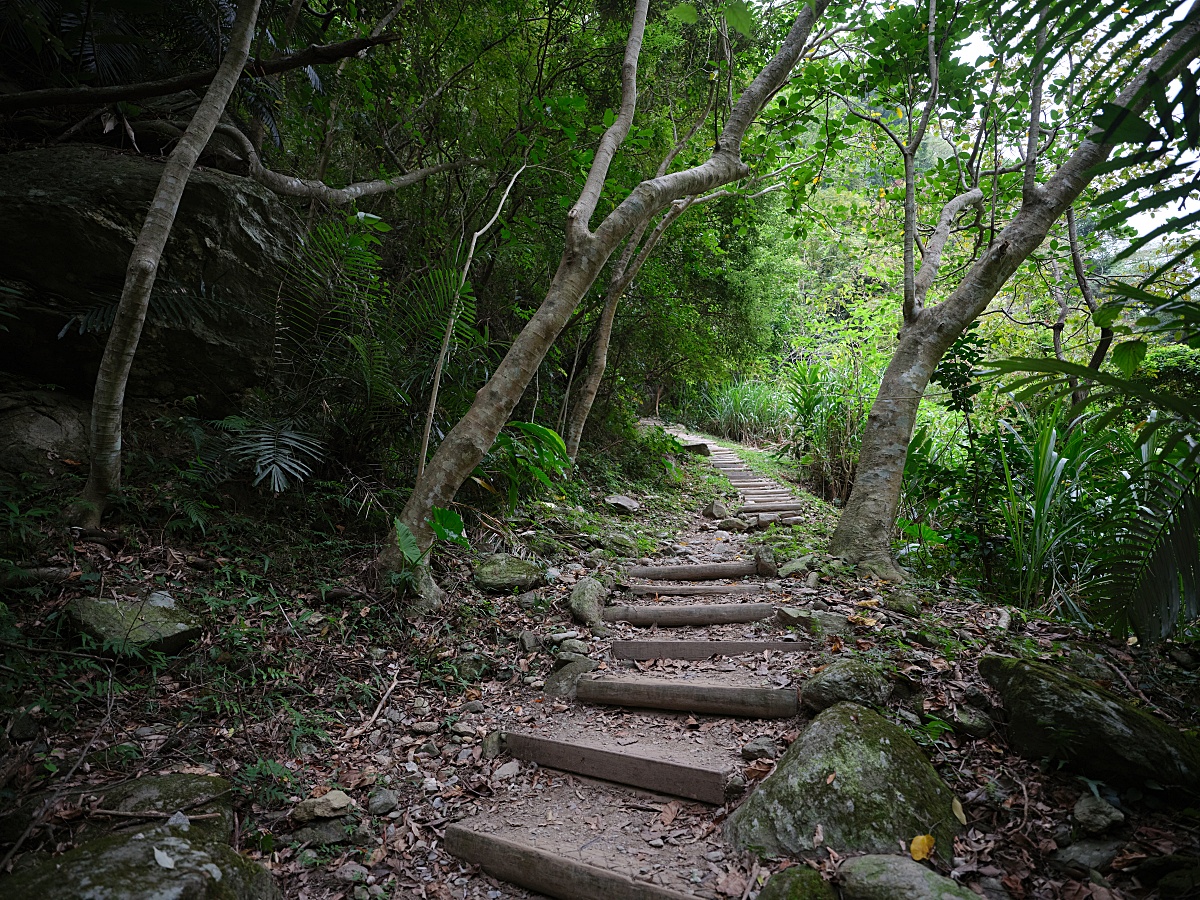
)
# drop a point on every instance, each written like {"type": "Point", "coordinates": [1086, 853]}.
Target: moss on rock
{"type": "Point", "coordinates": [798, 883]}
{"type": "Point", "coordinates": [889, 877]}
{"type": "Point", "coordinates": [503, 572]}
{"type": "Point", "coordinates": [858, 777]}
{"type": "Point", "coordinates": [130, 627]}
{"type": "Point", "coordinates": [848, 679]}
{"type": "Point", "coordinates": [1053, 714]}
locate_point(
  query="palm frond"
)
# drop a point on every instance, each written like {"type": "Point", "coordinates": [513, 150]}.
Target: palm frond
{"type": "Point", "coordinates": [277, 451]}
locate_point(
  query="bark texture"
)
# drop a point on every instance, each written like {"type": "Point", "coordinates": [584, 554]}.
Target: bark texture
{"type": "Point", "coordinates": [584, 256]}
{"type": "Point", "coordinates": [108, 401]}
{"type": "Point", "coordinates": [864, 532]}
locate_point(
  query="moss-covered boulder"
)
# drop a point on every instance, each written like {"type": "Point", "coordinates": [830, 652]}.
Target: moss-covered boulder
{"type": "Point", "coordinates": [502, 572]}
{"type": "Point", "coordinates": [131, 627]}
{"type": "Point", "coordinates": [195, 795]}
{"type": "Point", "coordinates": [883, 877]}
{"type": "Point", "coordinates": [849, 679]}
{"type": "Point", "coordinates": [587, 601]}
{"type": "Point", "coordinates": [798, 883]}
{"type": "Point", "coordinates": [1065, 717]}
{"type": "Point", "coordinates": [162, 863]}
{"type": "Point", "coordinates": [858, 778]}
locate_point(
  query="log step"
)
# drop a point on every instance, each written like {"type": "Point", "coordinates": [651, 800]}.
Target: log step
{"type": "Point", "coordinates": [698, 572]}
{"type": "Point", "coordinates": [694, 697]}
{"type": "Point", "coordinates": [651, 770]}
{"type": "Point", "coordinates": [695, 615]}
{"type": "Point", "coordinates": [696, 590]}
{"type": "Point", "coordinates": [701, 649]}
{"type": "Point", "coordinates": [773, 507]}
{"type": "Point", "coordinates": [547, 873]}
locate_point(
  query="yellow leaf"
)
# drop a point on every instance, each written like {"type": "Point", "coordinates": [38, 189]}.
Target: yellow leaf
{"type": "Point", "coordinates": [921, 847]}
{"type": "Point", "coordinates": [899, 112]}
{"type": "Point", "coordinates": [958, 811]}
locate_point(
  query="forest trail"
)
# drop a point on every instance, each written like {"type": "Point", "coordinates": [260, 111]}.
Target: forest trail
{"type": "Point", "coordinates": [627, 787]}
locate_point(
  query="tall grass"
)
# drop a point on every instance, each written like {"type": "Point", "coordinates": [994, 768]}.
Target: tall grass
{"type": "Point", "coordinates": [754, 412]}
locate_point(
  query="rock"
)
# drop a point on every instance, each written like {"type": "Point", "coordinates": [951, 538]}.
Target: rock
{"type": "Point", "coordinates": [700, 448]}
{"type": "Point", "coordinates": [716, 510]}
{"type": "Point", "coordinates": [621, 544]}
{"type": "Point", "coordinates": [471, 666]}
{"type": "Point", "coordinates": [230, 243]}
{"type": "Point", "coordinates": [1178, 655]}
{"type": "Point", "coordinates": [492, 745]}
{"type": "Point", "coordinates": [528, 640]}
{"type": "Point", "coordinates": [502, 572]}
{"type": "Point", "coordinates": [332, 831]}
{"type": "Point", "coordinates": [351, 872]}
{"type": "Point", "coordinates": [763, 521]}
{"type": "Point", "coordinates": [382, 802]}
{"type": "Point", "coordinates": [587, 601]}
{"type": "Point", "coordinates": [1089, 665]}
{"type": "Point", "coordinates": [571, 645]}
{"type": "Point", "coordinates": [813, 579]}
{"type": "Point", "coordinates": [1095, 815]}
{"type": "Point", "coordinates": [622, 504]}
{"type": "Point", "coordinates": [1053, 714]}
{"type": "Point", "coordinates": [198, 794]}
{"type": "Point", "coordinates": [764, 562]}
{"type": "Point", "coordinates": [1090, 853]}
{"type": "Point", "coordinates": [510, 769]}
{"type": "Point", "coordinates": [794, 566]}
{"type": "Point", "coordinates": [816, 622]}
{"type": "Point", "coordinates": [328, 806]}
{"type": "Point", "coordinates": [903, 604]}
{"type": "Point", "coordinates": [885, 877]}
{"type": "Point", "coordinates": [530, 599]}
{"type": "Point", "coordinates": [426, 727]}
{"type": "Point", "coordinates": [736, 526]}
{"type": "Point", "coordinates": [760, 748]}
{"type": "Point", "coordinates": [38, 429]}
{"type": "Point", "coordinates": [23, 728]}
{"type": "Point", "coordinates": [130, 628]}
{"type": "Point", "coordinates": [860, 778]}
{"type": "Point", "coordinates": [472, 706]}
{"type": "Point", "coordinates": [847, 679]}
{"type": "Point", "coordinates": [971, 721]}
{"type": "Point", "coordinates": [798, 883]}
{"type": "Point", "coordinates": [128, 866]}
{"type": "Point", "coordinates": [562, 682]}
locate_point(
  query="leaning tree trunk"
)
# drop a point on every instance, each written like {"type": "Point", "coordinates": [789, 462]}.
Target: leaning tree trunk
{"type": "Point", "coordinates": [583, 258]}
{"type": "Point", "coordinates": [864, 532]}
{"type": "Point", "coordinates": [108, 401]}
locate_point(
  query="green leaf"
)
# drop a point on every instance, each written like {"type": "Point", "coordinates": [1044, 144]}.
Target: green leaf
{"type": "Point", "coordinates": [609, 118]}
{"type": "Point", "coordinates": [1120, 126]}
{"type": "Point", "coordinates": [1106, 315]}
{"type": "Point", "coordinates": [1128, 355]}
{"type": "Point", "coordinates": [407, 542]}
{"type": "Point", "coordinates": [684, 13]}
{"type": "Point", "coordinates": [448, 526]}
{"type": "Point", "coordinates": [737, 13]}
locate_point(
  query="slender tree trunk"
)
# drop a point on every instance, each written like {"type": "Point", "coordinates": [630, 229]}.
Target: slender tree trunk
{"type": "Point", "coordinates": [108, 401]}
{"type": "Point", "coordinates": [583, 258]}
{"type": "Point", "coordinates": [864, 532]}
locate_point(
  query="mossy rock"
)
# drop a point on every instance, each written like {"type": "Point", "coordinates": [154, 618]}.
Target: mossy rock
{"type": "Point", "coordinates": [127, 867]}
{"type": "Point", "coordinates": [587, 601]}
{"type": "Point", "coordinates": [1065, 717]}
{"type": "Point", "coordinates": [849, 679]}
{"type": "Point", "coordinates": [798, 883]}
{"type": "Point", "coordinates": [889, 877]}
{"type": "Point", "coordinates": [857, 776]}
{"type": "Point", "coordinates": [130, 627]}
{"type": "Point", "coordinates": [502, 572]}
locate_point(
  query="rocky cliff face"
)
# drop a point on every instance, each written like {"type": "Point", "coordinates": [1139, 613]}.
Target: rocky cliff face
{"type": "Point", "coordinates": [68, 220]}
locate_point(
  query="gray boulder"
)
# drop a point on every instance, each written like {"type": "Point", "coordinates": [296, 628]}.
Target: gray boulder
{"type": "Point", "coordinates": [131, 627]}
{"type": "Point", "coordinates": [857, 776]}
{"type": "Point", "coordinates": [1065, 717]}
{"type": "Point", "coordinates": [622, 504]}
{"type": "Point", "coordinates": [846, 679]}
{"type": "Point", "coordinates": [564, 679]}
{"type": "Point", "coordinates": [502, 572]}
{"type": "Point", "coordinates": [817, 622]}
{"type": "Point", "coordinates": [884, 877]}
{"type": "Point", "coordinates": [211, 325]}
{"type": "Point", "coordinates": [38, 429]}
{"type": "Point", "coordinates": [587, 601]}
{"type": "Point", "coordinates": [1095, 815]}
{"type": "Point", "coordinates": [716, 510]}
{"type": "Point", "coordinates": [621, 544]}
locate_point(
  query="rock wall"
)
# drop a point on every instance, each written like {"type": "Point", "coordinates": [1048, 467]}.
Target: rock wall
{"type": "Point", "coordinates": [69, 217]}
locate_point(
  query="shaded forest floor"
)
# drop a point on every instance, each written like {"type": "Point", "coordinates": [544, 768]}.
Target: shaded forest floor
{"type": "Point", "coordinates": [294, 659]}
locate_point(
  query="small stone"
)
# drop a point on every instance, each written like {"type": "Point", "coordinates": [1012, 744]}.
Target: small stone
{"type": "Point", "coordinates": [393, 715]}
{"type": "Point", "coordinates": [601, 631]}
{"type": "Point", "coordinates": [382, 802]}
{"type": "Point", "coordinates": [471, 667]}
{"type": "Point", "coordinates": [716, 510]}
{"type": "Point", "coordinates": [656, 843]}
{"type": "Point", "coordinates": [798, 883]}
{"type": "Point", "coordinates": [327, 806]}
{"type": "Point", "coordinates": [502, 572]}
{"type": "Point", "coordinates": [472, 706]}
{"type": "Point", "coordinates": [510, 769]}
{"type": "Point", "coordinates": [621, 544]}
{"type": "Point", "coordinates": [814, 578]}
{"type": "Point", "coordinates": [1090, 853]}
{"type": "Point", "coordinates": [794, 567]}
{"type": "Point", "coordinates": [622, 504]}
{"type": "Point", "coordinates": [462, 729]}
{"type": "Point", "coordinates": [1095, 815]}
{"type": "Point", "coordinates": [351, 872]}
{"type": "Point", "coordinates": [420, 706]}
{"type": "Point", "coordinates": [426, 727]}
{"type": "Point", "coordinates": [528, 641]}
{"type": "Point", "coordinates": [573, 646]}
{"type": "Point", "coordinates": [887, 877]}
{"type": "Point", "coordinates": [563, 681]}
{"type": "Point", "coordinates": [492, 745]}
{"type": "Point", "coordinates": [429, 748]}
{"type": "Point", "coordinates": [847, 679]}
{"type": "Point", "coordinates": [735, 526]}
{"type": "Point", "coordinates": [972, 721]}
{"type": "Point", "coordinates": [530, 599]}
{"type": "Point", "coordinates": [760, 748]}
{"type": "Point", "coordinates": [24, 728]}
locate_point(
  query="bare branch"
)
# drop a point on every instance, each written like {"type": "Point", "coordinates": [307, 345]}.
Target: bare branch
{"type": "Point", "coordinates": [1029, 189]}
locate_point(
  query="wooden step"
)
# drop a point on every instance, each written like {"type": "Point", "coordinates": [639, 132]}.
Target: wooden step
{"type": "Point", "coordinates": [696, 572]}
{"type": "Point", "coordinates": [773, 507]}
{"type": "Point", "coordinates": [688, 696]}
{"type": "Point", "coordinates": [701, 649]}
{"type": "Point", "coordinates": [694, 615]}
{"type": "Point", "coordinates": [633, 766]}
{"type": "Point", "coordinates": [697, 590]}
{"type": "Point", "coordinates": [547, 873]}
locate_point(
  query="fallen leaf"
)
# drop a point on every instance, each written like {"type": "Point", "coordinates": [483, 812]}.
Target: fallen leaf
{"type": "Point", "coordinates": [868, 603]}
{"type": "Point", "coordinates": [163, 859]}
{"type": "Point", "coordinates": [818, 835]}
{"type": "Point", "coordinates": [921, 847]}
{"type": "Point", "coordinates": [832, 775]}
{"type": "Point", "coordinates": [958, 811]}
{"type": "Point", "coordinates": [670, 811]}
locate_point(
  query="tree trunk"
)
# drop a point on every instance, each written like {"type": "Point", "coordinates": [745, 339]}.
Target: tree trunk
{"type": "Point", "coordinates": [108, 401]}
{"type": "Point", "coordinates": [864, 532]}
{"type": "Point", "coordinates": [584, 256]}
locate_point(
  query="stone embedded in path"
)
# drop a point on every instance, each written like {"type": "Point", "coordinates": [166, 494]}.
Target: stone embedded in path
{"type": "Point", "coordinates": [503, 572]}
{"type": "Point", "coordinates": [563, 681]}
{"type": "Point", "coordinates": [328, 806]}
{"type": "Point", "coordinates": [888, 877]}
{"type": "Point", "coordinates": [798, 883]}
{"type": "Point", "coordinates": [622, 504]}
{"type": "Point", "coordinates": [131, 627]}
{"type": "Point", "coordinates": [847, 679]}
{"type": "Point", "coordinates": [587, 601]}
{"type": "Point", "coordinates": [857, 776]}
{"type": "Point", "coordinates": [1065, 717]}
{"type": "Point", "coordinates": [816, 622]}
{"type": "Point", "coordinates": [733, 525]}
{"type": "Point", "coordinates": [716, 510]}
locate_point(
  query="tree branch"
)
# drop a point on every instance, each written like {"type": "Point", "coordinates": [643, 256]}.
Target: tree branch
{"type": "Point", "coordinates": [1029, 189]}
{"type": "Point", "coordinates": [317, 54]}
{"type": "Point", "coordinates": [933, 248]}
